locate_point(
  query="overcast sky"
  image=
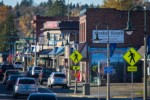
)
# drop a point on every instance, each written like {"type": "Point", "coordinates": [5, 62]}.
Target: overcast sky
{"type": "Point", "coordinates": [13, 2]}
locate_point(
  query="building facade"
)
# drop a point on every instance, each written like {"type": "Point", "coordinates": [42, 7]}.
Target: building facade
{"type": "Point", "coordinates": [95, 21]}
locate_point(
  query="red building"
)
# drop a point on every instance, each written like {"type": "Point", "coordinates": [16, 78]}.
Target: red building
{"type": "Point", "coordinates": [94, 20]}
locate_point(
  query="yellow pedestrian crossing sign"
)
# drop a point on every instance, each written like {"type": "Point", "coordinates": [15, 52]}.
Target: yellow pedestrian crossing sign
{"type": "Point", "coordinates": [76, 57]}
{"type": "Point", "coordinates": [132, 56]}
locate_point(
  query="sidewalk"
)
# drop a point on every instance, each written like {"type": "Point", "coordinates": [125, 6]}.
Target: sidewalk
{"type": "Point", "coordinates": [117, 90]}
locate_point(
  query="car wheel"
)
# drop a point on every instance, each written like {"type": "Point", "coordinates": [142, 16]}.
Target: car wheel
{"type": "Point", "coordinates": [66, 86]}
{"type": "Point", "coordinates": [51, 86]}
{"type": "Point", "coordinates": [7, 87]}
{"type": "Point", "coordinates": [15, 96]}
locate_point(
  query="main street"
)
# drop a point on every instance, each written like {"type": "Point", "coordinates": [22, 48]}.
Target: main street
{"type": "Point", "coordinates": [68, 94]}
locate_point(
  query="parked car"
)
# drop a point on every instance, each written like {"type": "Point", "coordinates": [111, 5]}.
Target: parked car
{"type": "Point", "coordinates": [24, 86]}
{"type": "Point", "coordinates": [44, 74]}
{"type": "Point", "coordinates": [3, 68]}
{"type": "Point", "coordinates": [42, 96]}
{"type": "Point", "coordinates": [9, 72]}
{"type": "Point", "coordinates": [12, 80]}
{"type": "Point", "coordinates": [36, 71]}
{"type": "Point", "coordinates": [57, 79]}
{"type": "Point", "coordinates": [18, 65]}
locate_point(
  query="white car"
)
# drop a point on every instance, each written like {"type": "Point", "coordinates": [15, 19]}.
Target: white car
{"type": "Point", "coordinates": [18, 65]}
{"type": "Point", "coordinates": [57, 79]}
{"type": "Point", "coordinates": [36, 70]}
{"type": "Point", "coordinates": [24, 86]}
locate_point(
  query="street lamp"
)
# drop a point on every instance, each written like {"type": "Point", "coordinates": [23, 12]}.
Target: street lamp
{"type": "Point", "coordinates": [108, 56]}
{"type": "Point", "coordinates": [129, 29]}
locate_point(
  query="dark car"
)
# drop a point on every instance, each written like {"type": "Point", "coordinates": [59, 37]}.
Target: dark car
{"type": "Point", "coordinates": [44, 74]}
{"type": "Point", "coordinates": [42, 96]}
{"type": "Point", "coordinates": [9, 72]}
{"type": "Point", "coordinates": [3, 69]}
{"type": "Point", "coordinates": [12, 80]}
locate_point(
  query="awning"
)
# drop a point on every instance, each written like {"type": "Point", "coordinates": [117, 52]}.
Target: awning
{"type": "Point", "coordinates": [60, 51]}
{"type": "Point", "coordinates": [28, 50]}
{"type": "Point", "coordinates": [53, 52]}
{"type": "Point", "coordinates": [45, 52]}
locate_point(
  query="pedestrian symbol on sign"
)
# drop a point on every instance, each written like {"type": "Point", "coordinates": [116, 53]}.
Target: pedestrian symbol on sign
{"type": "Point", "coordinates": [132, 55]}
{"type": "Point", "coordinates": [75, 56]}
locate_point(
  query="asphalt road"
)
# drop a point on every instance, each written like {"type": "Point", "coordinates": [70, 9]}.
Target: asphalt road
{"type": "Point", "coordinates": [118, 92]}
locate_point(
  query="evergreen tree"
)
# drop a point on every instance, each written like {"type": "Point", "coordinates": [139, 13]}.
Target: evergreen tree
{"type": "Point", "coordinates": [58, 8]}
{"type": "Point", "coordinates": [9, 33]}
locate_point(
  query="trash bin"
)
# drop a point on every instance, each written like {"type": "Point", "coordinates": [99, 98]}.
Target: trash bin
{"type": "Point", "coordinates": [86, 89]}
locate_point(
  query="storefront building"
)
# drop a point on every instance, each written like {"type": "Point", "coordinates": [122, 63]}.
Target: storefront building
{"type": "Point", "coordinates": [97, 23]}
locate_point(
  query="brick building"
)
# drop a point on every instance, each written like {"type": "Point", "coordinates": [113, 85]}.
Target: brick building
{"type": "Point", "coordinates": [56, 26]}
{"type": "Point", "coordinates": [96, 19]}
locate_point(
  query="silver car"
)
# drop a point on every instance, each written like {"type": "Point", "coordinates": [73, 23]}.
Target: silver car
{"type": "Point", "coordinates": [57, 79]}
{"type": "Point", "coordinates": [24, 86]}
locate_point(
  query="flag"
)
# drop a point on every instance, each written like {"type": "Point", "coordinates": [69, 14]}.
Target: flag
{"type": "Point", "coordinates": [112, 48]}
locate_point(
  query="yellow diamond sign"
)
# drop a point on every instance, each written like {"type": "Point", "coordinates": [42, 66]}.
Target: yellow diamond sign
{"type": "Point", "coordinates": [76, 56]}
{"type": "Point", "coordinates": [132, 56]}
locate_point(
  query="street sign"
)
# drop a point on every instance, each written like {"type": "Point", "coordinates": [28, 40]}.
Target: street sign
{"type": "Point", "coordinates": [132, 69]}
{"type": "Point", "coordinates": [132, 56]}
{"type": "Point", "coordinates": [108, 69]}
{"type": "Point", "coordinates": [76, 67]}
{"type": "Point", "coordinates": [76, 57]}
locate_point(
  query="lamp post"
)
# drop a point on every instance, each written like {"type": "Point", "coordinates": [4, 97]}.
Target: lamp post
{"type": "Point", "coordinates": [35, 57]}
{"type": "Point", "coordinates": [129, 30]}
{"type": "Point", "coordinates": [108, 57]}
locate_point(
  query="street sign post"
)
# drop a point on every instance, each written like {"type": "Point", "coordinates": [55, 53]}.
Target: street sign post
{"type": "Point", "coordinates": [76, 57]}
{"type": "Point", "coordinates": [132, 57]}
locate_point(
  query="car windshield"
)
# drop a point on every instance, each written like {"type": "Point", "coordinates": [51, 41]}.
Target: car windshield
{"type": "Point", "coordinates": [26, 81]}
{"type": "Point", "coordinates": [12, 72]}
{"type": "Point", "coordinates": [60, 75]}
{"type": "Point", "coordinates": [18, 62]}
{"type": "Point", "coordinates": [38, 68]}
{"type": "Point", "coordinates": [42, 97]}
{"type": "Point", "coordinates": [47, 71]}
{"type": "Point", "coordinates": [14, 77]}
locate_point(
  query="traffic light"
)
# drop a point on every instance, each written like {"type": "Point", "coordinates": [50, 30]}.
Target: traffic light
{"type": "Point", "coordinates": [48, 35]}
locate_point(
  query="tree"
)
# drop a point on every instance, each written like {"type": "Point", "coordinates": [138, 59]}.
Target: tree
{"type": "Point", "coordinates": [25, 25]}
{"type": "Point", "coordinates": [58, 8]}
{"type": "Point", "coordinates": [4, 12]}
{"type": "Point", "coordinates": [118, 4]}
{"type": "Point", "coordinates": [9, 30]}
